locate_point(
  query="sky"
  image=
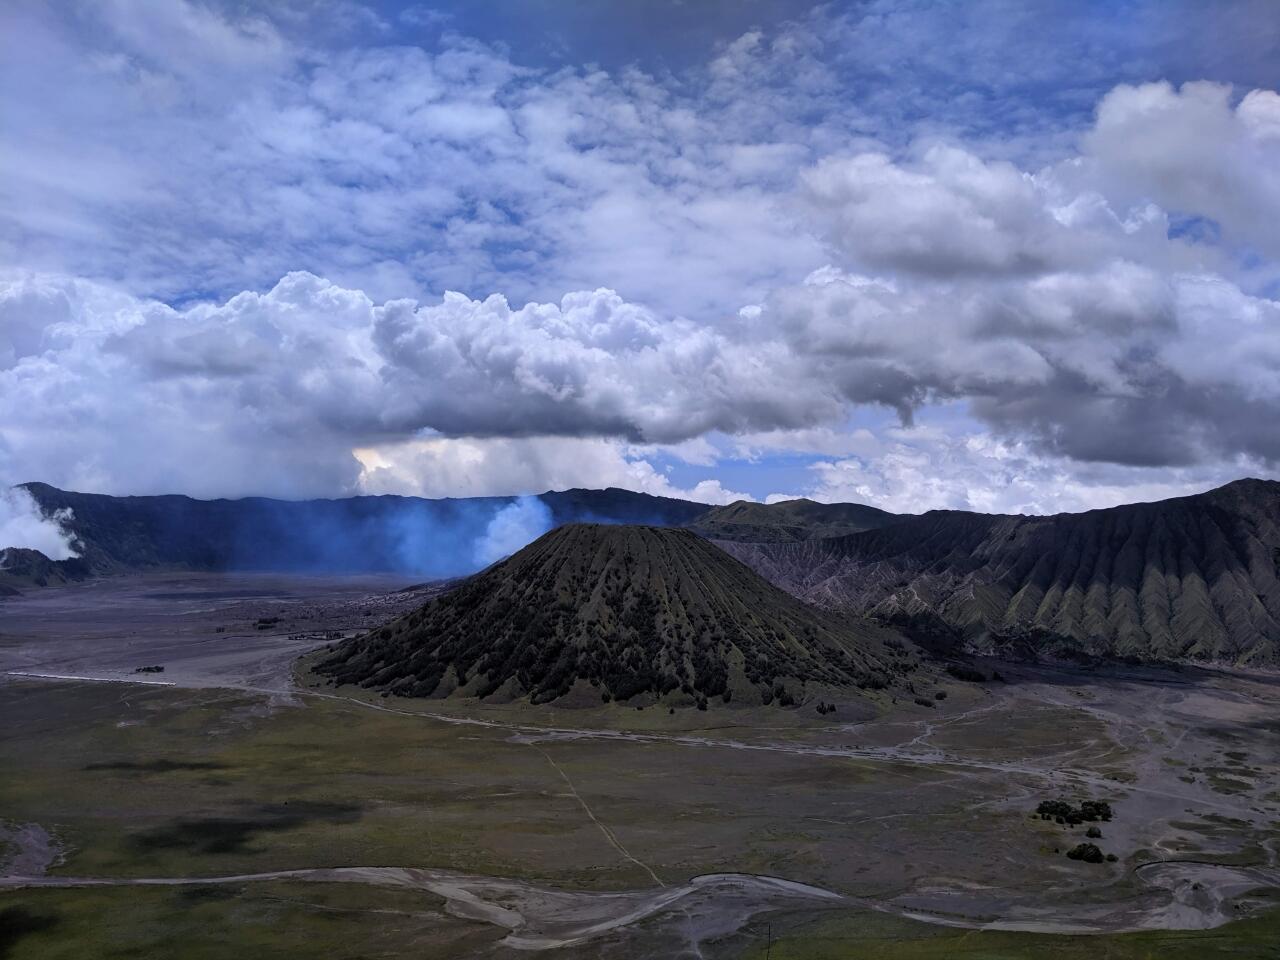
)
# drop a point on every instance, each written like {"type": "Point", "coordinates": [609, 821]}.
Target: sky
{"type": "Point", "coordinates": [997, 256]}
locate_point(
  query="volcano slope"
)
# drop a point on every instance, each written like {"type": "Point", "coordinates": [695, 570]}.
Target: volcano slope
{"type": "Point", "coordinates": [617, 613]}
{"type": "Point", "coordinates": [1189, 578]}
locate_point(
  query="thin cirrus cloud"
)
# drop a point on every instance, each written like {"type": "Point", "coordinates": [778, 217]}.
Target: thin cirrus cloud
{"type": "Point", "coordinates": [238, 281]}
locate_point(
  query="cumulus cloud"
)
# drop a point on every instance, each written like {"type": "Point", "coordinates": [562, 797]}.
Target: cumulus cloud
{"type": "Point", "coordinates": [1194, 150]}
{"type": "Point", "coordinates": [24, 524]}
{"type": "Point", "coordinates": [949, 214]}
{"type": "Point", "coordinates": [387, 268]}
{"type": "Point", "coordinates": [278, 392]}
{"type": "Point", "coordinates": [499, 466]}
{"type": "Point", "coordinates": [1083, 364]}
{"type": "Point", "coordinates": [1081, 307]}
{"type": "Point", "coordinates": [958, 466]}
{"type": "Point", "coordinates": [954, 215]}
{"type": "Point", "coordinates": [220, 165]}
{"type": "Point", "coordinates": [273, 392]}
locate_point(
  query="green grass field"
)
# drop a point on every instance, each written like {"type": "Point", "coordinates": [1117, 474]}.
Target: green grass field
{"type": "Point", "coordinates": [878, 936]}
{"type": "Point", "coordinates": [154, 782]}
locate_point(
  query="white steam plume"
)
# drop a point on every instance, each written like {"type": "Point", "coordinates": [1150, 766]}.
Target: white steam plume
{"type": "Point", "coordinates": [24, 524]}
{"type": "Point", "coordinates": [511, 528]}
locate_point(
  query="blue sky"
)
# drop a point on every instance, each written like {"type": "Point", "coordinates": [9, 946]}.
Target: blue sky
{"type": "Point", "coordinates": [999, 256]}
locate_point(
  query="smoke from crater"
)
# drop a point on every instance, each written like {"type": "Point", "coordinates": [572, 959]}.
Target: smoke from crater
{"type": "Point", "coordinates": [511, 528]}
{"type": "Point", "coordinates": [23, 524]}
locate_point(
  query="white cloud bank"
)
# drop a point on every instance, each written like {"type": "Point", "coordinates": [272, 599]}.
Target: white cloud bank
{"type": "Point", "coordinates": [1113, 306]}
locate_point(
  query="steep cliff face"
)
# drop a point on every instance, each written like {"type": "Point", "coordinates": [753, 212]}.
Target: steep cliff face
{"type": "Point", "coordinates": [628, 611]}
{"type": "Point", "coordinates": [1195, 577]}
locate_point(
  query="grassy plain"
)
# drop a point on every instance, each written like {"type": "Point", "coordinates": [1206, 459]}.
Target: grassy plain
{"type": "Point", "coordinates": [170, 782]}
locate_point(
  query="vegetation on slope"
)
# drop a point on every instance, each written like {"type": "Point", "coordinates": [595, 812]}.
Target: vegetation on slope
{"type": "Point", "coordinates": [629, 611]}
{"type": "Point", "coordinates": [1193, 577]}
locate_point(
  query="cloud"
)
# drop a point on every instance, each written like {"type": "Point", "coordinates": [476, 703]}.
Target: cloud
{"type": "Point", "coordinates": [948, 214]}
{"type": "Point", "coordinates": [1190, 150]}
{"type": "Point", "coordinates": [951, 465]}
{"type": "Point", "coordinates": [275, 392]}
{"type": "Point", "coordinates": [179, 166]}
{"type": "Point", "coordinates": [24, 524]}
{"type": "Point", "coordinates": [272, 393]}
{"type": "Point", "coordinates": [441, 467]}
{"type": "Point", "coordinates": [1082, 364]}
{"type": "Point", "coordinates": [253, 258]}
{"type": "Point", "coordinates": [955, 215]}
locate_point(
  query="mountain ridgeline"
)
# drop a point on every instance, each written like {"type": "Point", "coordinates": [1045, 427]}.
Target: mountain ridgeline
{"type": "Point", "coordinates": [1189, 578]}
{"type": "Point", "coordinates": [386, 534]}
{"type": "Point", "coordinates": [789, 521]}
{"type": "Point", "coordinates": [616, 613]}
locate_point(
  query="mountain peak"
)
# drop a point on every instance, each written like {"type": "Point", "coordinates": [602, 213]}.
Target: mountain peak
{"type": "Point", "coordinates": [629, 611]}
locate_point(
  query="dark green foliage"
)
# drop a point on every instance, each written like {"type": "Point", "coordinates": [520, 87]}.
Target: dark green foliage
{"type": "Point", "coordinates": [925, 702]}
{"type": "Point", "coordinates": [965, 672]}
{"type": "Point", "coordinates": [1093, 833]}
{"type": "Point", "coordinates": [1087, 852]}
{"type": "Point", "coordinates": [928, 630]}
{"type": "Point", "coordinates": [631, 610]}
{"type": "Point", "coordinates": [1095, 810]}
{"type": "Point", "coordinates": [1061, 811]}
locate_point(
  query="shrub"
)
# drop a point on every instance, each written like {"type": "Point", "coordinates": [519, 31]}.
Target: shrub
{"type": "Point", "coordinates": [1095, 810]}
{"type": "Point", "coordinates": [1061, 811]}
{"type": "Point", "coordinates": [1087, 852]}
{"type": "Point", "coordinates": [963, 672]}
